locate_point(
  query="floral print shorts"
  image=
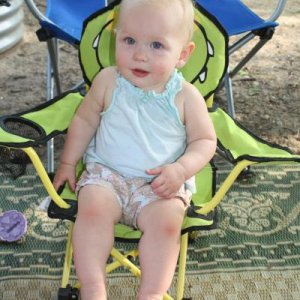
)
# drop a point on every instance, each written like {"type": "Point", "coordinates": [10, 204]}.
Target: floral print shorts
{"type": "Point", "coordinates": [131, 193]}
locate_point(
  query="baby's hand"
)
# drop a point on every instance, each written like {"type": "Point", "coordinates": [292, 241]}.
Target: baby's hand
{"type": "Point", "coordinates": [65, 173]}
{"type": "Point", "coordinates": [168, 181]}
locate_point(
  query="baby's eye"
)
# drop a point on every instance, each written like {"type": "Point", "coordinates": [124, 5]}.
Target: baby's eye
{"type": "Point", "coordinates": [156, 45]}
{"type": "Point", "coordinates": [129, 41]}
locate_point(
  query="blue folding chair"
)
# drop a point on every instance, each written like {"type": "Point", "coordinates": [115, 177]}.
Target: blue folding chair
{"type": "Point", "coordinates": [62, 21]}
{"type": "Point", "coordinates": [241, 21]}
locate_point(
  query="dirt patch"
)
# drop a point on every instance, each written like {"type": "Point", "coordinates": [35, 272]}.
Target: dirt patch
{"type": "Point", "coordinates": [266, 91]}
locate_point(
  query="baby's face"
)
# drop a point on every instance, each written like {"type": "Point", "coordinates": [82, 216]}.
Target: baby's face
{"type": "Point", "coordinates": [149, 43]}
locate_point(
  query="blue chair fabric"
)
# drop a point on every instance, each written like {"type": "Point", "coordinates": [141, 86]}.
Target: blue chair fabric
{"type": "Point", "coordinates": [66, 18]}
{"type": "Point", "coordinates": [235, 16]}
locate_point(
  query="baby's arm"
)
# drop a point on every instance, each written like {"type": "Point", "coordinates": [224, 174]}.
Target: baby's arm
{"type": "Point", "coordinates": [82, 128]}
{"type": "Point", "coordinates": [201, 146]}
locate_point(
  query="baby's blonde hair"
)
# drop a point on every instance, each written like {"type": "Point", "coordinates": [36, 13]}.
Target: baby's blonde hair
{"type": "Point", "coordinates": [187, 7]}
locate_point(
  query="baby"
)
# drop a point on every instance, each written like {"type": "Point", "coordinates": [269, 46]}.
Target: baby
{"type": "Point", "coordinates": [144, 132]}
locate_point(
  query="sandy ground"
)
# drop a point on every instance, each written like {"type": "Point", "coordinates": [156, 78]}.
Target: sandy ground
{"type": "Point", "coordinates": [266, 91]}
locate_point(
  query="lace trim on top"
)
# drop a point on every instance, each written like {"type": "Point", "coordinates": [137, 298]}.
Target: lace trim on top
{"type": "Point", "coordinates": [173, 86]}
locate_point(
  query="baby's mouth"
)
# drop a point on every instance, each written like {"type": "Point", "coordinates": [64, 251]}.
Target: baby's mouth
{"type": "Point", "coordinates": [139, 72]}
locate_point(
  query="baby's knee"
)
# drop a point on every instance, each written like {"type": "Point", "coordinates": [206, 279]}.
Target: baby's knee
{"type": "Point", "coordinates": [163, 229]}
{"type": "Point", "coordinates": [169, 229]}
{"type": "Point", "coordinates": [162, 218]}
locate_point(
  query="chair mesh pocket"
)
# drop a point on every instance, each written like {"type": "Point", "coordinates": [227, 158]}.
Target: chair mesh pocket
{"type": "Point", "coordinates": [22, 128]}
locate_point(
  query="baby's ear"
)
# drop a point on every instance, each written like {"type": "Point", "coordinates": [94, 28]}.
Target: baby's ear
{"type": "Point", "coordinates": [185, 54]}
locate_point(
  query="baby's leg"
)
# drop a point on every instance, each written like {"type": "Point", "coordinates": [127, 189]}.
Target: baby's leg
{"type": "Point", "coordinates": [159, 246]}
{"type": "Point", "coordinates": [93, 237]}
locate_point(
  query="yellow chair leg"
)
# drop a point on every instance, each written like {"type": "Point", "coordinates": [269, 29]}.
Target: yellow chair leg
{"type": "Point", "coordinates": [68, 259]}
{"type": "Point", "coordinates": [182, 266]}
{"type": "Point", "coordinates": [125, 262]}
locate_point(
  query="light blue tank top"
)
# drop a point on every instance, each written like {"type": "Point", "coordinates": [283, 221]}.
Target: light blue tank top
{"type": "Point", "coordinates": [140, 130]}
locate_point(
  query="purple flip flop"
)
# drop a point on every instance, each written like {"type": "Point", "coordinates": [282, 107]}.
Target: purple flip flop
{"type": "Point", "coordinates": [13, 226]}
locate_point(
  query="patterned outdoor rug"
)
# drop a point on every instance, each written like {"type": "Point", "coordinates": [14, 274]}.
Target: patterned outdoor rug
{"type": "Point", "coordinates": [253, 254]}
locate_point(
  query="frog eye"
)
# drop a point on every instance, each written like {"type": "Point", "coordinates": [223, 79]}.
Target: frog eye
{"type": "Point", "coordinates": [210, 49]}
{"type": "Point", "coordinates": [203, 74]}
{"type": "Point", "coordinates": [96, 42]}
{"type": "Point", "coordinates": [211, 53]}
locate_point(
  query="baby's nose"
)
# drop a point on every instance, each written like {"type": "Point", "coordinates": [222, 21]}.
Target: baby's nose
{"type": "Point", "coordinates": [140, 54]}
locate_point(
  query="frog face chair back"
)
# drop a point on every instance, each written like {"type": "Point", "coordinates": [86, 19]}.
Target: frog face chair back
{"type": "Point", "coordinates": [205, 69]}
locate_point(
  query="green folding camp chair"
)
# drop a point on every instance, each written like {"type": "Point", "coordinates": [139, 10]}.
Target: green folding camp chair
{"type": "Point", "coordinates": [206, 68]}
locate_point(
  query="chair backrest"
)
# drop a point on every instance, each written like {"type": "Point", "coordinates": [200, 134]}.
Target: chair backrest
{"type": "Point", "coordinates": [205, 69]}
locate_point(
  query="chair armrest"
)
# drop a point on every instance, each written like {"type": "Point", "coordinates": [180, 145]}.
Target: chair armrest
{"type": "Point", "coordinates": [41, 123]}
